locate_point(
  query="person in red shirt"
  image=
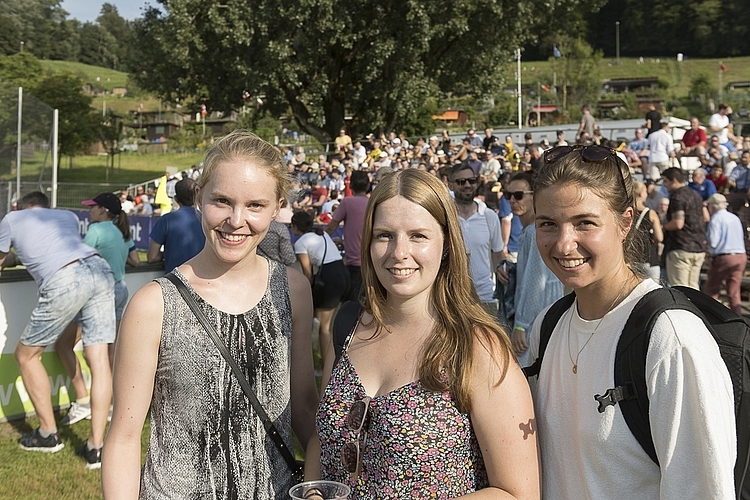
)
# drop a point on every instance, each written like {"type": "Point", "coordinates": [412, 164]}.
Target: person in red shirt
{"type": "Point", "coordinates": [718, 178]}
{"type": "Point", "coordinates": [694, 141]}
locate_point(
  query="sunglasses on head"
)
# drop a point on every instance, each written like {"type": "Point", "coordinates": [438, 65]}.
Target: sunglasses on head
{"type": "Point", "coordinates": [470, 180]}
{"type": "Point", "coordinates": [591, 154]}
{"type": "Point", "coordinates": [357, 420]}
{"type": "Point", "coordinates": [516, 194]}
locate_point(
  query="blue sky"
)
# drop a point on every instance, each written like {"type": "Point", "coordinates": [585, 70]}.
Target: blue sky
{"type": "Point", "coordinates": [88, 10]}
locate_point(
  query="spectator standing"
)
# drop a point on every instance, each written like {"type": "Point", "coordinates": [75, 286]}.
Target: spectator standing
{"type": "Point", "coordinates": [660, 151]}
{"type": "Point", "coordinates": [587, 125]}
{"type": "Point", "coordinates": [277, 244]}
{"type": "Point", "coordinates": [536, 286]}
{"type": "Point", "coordinates": [109, 234]}
{"type": "Point", "coordinates": [648, 223]}
{"type": "Point", "coordinates": [719, 124]}
{"type": "Point", "coordinates": [126, 202]}
{"type": "Point", "coordinates": [206, 440]}
{"type": "Point", "coordinates": [480, 227]}
{"type": "Point", "coordinates": [426, 401]}
{"type": "Point", "coordinates": [71, 277]}
{"type": "Point", "coordinates": [351, 212]}
{"type": "Point", "coordinates": [684, 249]}
{"type": "Point", "coordinates": [585, 217]}
{"type": "Point", "coordinates": [318, 251]}
{"type": "Point", "coordinates": [179, 232]}
{"type": "Point", "coordinates": [725, 236]}
{"type": "Point", "coordinates": [653, 120]}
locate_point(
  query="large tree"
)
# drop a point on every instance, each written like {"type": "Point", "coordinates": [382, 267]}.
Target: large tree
{"type": "Point", "coordinates": [324, 60]}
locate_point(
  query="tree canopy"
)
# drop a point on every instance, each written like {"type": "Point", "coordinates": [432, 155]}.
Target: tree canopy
{"type": "Point", "coordinates": [325, 60]}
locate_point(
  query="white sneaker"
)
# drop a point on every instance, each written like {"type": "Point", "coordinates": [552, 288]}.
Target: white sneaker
{"type": "Point", "coordinates": [76, 413]}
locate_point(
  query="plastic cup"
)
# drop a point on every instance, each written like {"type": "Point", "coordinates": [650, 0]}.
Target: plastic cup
{"type": "Point", "coordinates": [319, 490]}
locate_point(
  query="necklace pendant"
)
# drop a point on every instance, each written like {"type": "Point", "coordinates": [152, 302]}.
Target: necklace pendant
{"type": "Point", "coordinates": [575, 369]}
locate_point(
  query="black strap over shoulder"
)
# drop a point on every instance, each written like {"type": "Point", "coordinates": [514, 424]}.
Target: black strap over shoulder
{"type": "Point", "coordinates": [343, 324]}
{"type": "Point", "coordinates": [554, 313]}
{"type": "Point", "coordinates": [630, 361]}
{"type": "Point", "coordinates": [297, 471]}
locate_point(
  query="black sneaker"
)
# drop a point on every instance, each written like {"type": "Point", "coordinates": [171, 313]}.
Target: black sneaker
{"type": "Point", "coordinates": [33, 441]}
{"type": "Point", "coordinates": [93, 457]}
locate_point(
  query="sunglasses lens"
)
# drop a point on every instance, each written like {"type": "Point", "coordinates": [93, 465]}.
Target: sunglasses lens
{"type": "Point", "coordinates": [595, 153]}
{"type": "Point", "coordinates": [470, 180]}
{"type": "Point", "coordinates": [356, 417]}
{"type": "Point", "coordinates": [350, 457]}
{"type": "Point", "coordinates": [554, 154]}
{"type": "Point", "coordinates": [507, 195]}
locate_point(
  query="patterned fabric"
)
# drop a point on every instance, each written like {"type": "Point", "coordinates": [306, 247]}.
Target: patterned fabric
{"type": "Point", "coordinates": [206, 440]}
{"type": "Point", "coordinates": [418, 444]}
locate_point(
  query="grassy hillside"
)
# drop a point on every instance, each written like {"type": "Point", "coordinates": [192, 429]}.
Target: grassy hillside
{"type": "Point", "coordinates": [677, 75]}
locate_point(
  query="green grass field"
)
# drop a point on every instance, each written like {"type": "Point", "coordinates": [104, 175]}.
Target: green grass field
{"type": "Point", "coordinates": [42, 476]}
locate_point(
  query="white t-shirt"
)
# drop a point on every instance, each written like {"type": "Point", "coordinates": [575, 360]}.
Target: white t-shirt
{"type": "Point", "coordinates": [720, 122]}
{"type": "Point", "coordinates": [482, 236]}
{"type": "Point", "coordinates": [312, 244]}
{"type": "Point", "coordinates": [587, 454]}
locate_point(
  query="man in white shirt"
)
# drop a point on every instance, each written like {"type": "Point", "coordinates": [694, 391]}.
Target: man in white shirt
{"type": "Point", "coordinates": [719, 124]}
{"type": "Point", "coordinates": [660, 151]}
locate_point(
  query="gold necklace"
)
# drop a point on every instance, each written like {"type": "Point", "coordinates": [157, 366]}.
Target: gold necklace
{"type": "Point", "coordinates": [570, 323]}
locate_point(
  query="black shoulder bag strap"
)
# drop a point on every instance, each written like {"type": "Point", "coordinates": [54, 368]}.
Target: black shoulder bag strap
{"type": "Point", "coordinates": [554, 313]}
{"type": "Point", "coordinates": [297, 470]}
{"type": "Point", "coordinates": [343, 323]}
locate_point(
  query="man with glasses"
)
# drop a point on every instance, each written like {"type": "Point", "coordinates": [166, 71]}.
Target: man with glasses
{"type": "Point", "coordinates": [482, 234]}
{"type": "Point", "coordinates": [739, 178]}
{"type": "Point", "coordinates": [474, 140]}
{"type": "Point", "coordinates": [536, 286]}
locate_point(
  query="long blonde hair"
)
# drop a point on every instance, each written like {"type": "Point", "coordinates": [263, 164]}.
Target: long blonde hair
{"type": "Point", "coordinates": [447, 357]}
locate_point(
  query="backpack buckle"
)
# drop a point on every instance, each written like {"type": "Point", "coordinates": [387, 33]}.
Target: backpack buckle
{"type": "Point", "coordinates": [612, 397]}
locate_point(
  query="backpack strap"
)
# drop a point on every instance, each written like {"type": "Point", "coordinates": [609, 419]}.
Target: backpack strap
{"type": "Point", "coordinates": [554, 313]}
{"type": "Point", "coordinates": [630, 389]}
{"type": "Point", "coordinates": [345, 320]}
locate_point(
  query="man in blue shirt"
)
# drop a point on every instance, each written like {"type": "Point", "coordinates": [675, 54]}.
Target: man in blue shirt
{"type": "Point", "coordinates": [726, 244]}
{"type": "Point", "coordinates": [71, 277]}
{"type": "Point", "coordinates": [179, 231]}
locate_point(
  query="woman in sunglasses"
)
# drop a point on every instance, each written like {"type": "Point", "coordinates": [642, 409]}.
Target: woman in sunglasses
{"type": "Point", "coordinates": [426, 400]}
{"type": "Point", "coordinates": [585, 217]}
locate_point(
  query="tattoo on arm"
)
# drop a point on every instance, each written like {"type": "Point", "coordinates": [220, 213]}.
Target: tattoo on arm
{"type": "Point", "coordinates": [528, 428]}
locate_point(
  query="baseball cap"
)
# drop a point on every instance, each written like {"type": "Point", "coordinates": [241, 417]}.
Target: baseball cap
{"type": "Point", "coordinates": [716, 199]}
{"type": "Point", "coordinates": [107, 200]}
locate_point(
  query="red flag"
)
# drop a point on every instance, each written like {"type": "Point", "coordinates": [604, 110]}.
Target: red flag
{"type": "Point", "coordinates": [545, 88]}
{"type": "Point", "coordinates": [723, 67]}
{"type": "Point", "coordinates": [203, 110]}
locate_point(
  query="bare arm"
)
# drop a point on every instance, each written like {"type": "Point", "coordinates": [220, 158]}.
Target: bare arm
{"type": "Point", "coordinates": [656, 224]}
{"type": "Point", "coordinates": [154, 253]}
{"type": "Point", "coordinates": [332, 227]}
{"type": "Point", "coordinates": [304, 262]}
{"type": "Point", "coordinates": [136, 359]}
{"type": "Point", "coordinates": [304, 393]}
{"type": "Point", "coordinates": [133, 258]}
{"type": "Point", "coordinates": [503, 419]}
{"type": "Point", "coordinates": [677, 222]}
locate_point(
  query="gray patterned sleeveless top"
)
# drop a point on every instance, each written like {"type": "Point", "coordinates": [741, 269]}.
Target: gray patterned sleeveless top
{"type": "Point", "coordinates": [206, 440]}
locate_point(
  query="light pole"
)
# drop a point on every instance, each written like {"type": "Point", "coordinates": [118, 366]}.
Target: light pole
{"type": "Point", "coordinates": [21, 45]}
{"type": "Point", "coordinates": [617, 41]}
{"type": "Point", "coordinates": [518, 92]}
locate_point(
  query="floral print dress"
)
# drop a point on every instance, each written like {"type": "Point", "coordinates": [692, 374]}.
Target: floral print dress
{"type": "Point", "coordinates": [417, 443]}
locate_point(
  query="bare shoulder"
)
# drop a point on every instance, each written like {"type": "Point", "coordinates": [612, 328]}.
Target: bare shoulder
{"type": "Point", "coordinates": [144, 314]}
{"type": "Point", "coordinates": [298, 282]}
{"type": "Point", "coordinates": [147, 300]}
{"type": "Point", "coordinates": [492, 357]}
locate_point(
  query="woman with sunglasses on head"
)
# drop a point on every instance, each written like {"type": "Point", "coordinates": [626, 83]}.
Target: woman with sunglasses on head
{"type": "Point", "coordinates": [585, 217]}
{"type": "Point", "coordinates": [207, 439]}
{"type": "Point", "coordinates": [426, 399]}
{"type": "Point", "coordinates": [536, 286]}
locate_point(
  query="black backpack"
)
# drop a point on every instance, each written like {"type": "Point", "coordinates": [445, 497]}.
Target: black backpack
{"type": "Point", "coordinates": [731, 332]}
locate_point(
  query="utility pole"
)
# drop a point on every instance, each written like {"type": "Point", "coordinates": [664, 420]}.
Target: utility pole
{"type": "Point", "coordinates": [518, 91]}
{"type": "Point", "coordinates": [617, 41]}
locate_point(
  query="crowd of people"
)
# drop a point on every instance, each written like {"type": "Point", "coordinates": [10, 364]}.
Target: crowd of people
{"type": "Point", "coordinates": [453, 254]}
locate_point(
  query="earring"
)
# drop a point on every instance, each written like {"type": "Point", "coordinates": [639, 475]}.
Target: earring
{"type": "Point", "coordinates": [445, 255]}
